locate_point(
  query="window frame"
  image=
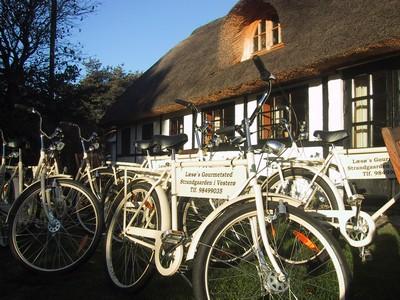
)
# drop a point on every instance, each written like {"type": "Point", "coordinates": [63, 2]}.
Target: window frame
{"type": "Point", "coordinates": [279, 113]}
{"type": "Point", "coordinates": [144, 128]}
{"type": "Point", "coordinates": [390, 66]}
{"type": "Point", "coordinates": [208, 136]}
{"type": "Point", "coordinates": [126, 141]}
{"type": "Point", "coordinates": [267, 35]}
{"type": "Point", "coordinates": [179, 120]}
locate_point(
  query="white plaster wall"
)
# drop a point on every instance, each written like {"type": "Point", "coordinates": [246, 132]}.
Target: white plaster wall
{"type": "Point", "coordinates": [251, 106]}
{"type": "Point", "coordinates": [315, 107]}
{"type": "Point", "coordinates": [239, 113]}
{"type": "Point", "coordinates": [187, 128]}
{"type": "Point", "coordinates": [165, 127]}
{"type": "Point", "coordinates": [335, 109]}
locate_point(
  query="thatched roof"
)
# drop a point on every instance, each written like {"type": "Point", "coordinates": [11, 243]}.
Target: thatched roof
{"type": "Point", "coordinates": [318, 37]}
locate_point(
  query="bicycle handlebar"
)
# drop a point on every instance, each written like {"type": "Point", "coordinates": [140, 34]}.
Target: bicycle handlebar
{"type": "Point", "coordinates": [92, 139]}
{"type": "Point", "coordinates": [265, 75]}
{"type": "Point", "coordinates": [57, 133]}
{"type": "Point", "coordinates": [187, 104]}
{"type": "Point", "coordinates": [30, 110]}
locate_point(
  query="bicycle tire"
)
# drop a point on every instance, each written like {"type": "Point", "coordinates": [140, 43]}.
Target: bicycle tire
{"type": "Point", "coordinates": [124, 257]}
{"type": "Point", "coordinates": [64, 243]}
{"type": "Point", "coordinates": [101, 178]}
{"type": "Point", "coordinates": [112, 188]}
{"type": "Point", "coordinates": [323, 197]}
{"type": "Point", "coordinates": [211, 281]}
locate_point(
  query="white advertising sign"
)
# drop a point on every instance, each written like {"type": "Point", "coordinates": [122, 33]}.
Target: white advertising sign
{"type": "Point", "coordinates": [217, 183]}
{"type": "Point", "coordinates": [372, 164]}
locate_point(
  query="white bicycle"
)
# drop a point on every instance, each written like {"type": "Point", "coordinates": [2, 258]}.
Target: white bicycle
{"type": "Point", "coordinates": [251, 246]}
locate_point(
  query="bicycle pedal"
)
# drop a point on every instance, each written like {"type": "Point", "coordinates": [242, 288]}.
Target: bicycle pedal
{"type": "Point", "coordinates": [183, 268]}
{"type": "Point", "coordinates": [355, 199]}
{"type": "Point", "coordinates": [366, 256]}
{"type": "Point", "coordinates": [173, 237]}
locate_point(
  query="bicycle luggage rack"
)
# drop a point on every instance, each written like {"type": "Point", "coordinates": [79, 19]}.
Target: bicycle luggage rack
{"type": "Point", "coordinates": [391, 137]}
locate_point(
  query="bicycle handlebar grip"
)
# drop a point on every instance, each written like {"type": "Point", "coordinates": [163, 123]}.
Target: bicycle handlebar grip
{"type": "Point", "coordinates": [182, 102]}
{"type": "Point", "coordinates": [228, 130]}
{"type": "Point", "coordinates": [265, 75]}
{"type": "Point", "coordinates": [187, 104]}
{"type": "Point", "coordinates": [93, 136]}
{"type": "Point", "coordinates": [24, 107]}
{"type": "Point", "coordinates": [57, 133]}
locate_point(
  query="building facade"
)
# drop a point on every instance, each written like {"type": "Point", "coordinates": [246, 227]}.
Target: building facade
{"type": "Point", "coordinates": [336, 63]}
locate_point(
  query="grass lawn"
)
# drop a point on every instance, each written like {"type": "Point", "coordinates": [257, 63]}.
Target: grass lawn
{"type": "Point", "coordinates": [376, 279]}
{"type": "Point", "coordinates": [379, 278]}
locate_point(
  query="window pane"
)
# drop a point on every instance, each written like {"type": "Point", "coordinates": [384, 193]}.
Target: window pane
{"type": "Point", "coordinates": [125, 140]}
{"type": "Point", "coordinates": [263, 42]}
{"type": "Point", "coordinates": [360, 136]}
{"type": "Point", "coordinates": [360, 111]}
{"type": "Point", "coordinates": [218, 118]}
{"type": "Point", "coordinates": [275, 36]}
{"type": "Point", "coordinates": [262, 26]}
{"type": "Point", "coordinates": [361, 86]}
{"type": "Point", "coordinates": [255, 45]}
{"type": "Point", "coordinates": [273, 113]}
{"type": "Point", "coordinates": [299, 103]}
{"type": "Point", "coordinates": [176, 126]}
{"type": "Point", "coordinates": [379, 96]}
{"type": "Point", "coordinates": [147, 131]}
{"type": "Point", "coordinates": [229, 115]}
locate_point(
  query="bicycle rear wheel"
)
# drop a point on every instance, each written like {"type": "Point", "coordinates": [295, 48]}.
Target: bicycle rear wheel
{"type": "Point", "coordinates": [296, 184]}
{"type": "Point", "coordinates": [222, 271]}
{"type": "Point", "coordinates": [130, 263]}
{"type": "Point", "coordinates": [112, 188]}
{"type": "Point", "coordinates": [62, 239]}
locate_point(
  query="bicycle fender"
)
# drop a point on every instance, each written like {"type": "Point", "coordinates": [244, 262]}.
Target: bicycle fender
{"type": "Point", "coordinates": [220, 209]}
{"type": "Point", "coordinates": [339, 199]}
{"type": "Point", "coordinates": [163, 199]}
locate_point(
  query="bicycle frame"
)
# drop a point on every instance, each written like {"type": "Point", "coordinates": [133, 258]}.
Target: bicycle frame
{"type": "Point", "coordinates": [347, 219]}
{"type": "Point", "coordinates": [173, 175]}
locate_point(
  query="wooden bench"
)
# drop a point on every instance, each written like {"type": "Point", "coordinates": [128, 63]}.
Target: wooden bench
{"type": "Point", "coordinates": [391, 136]}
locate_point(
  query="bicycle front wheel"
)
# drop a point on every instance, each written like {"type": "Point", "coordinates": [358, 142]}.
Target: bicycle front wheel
{"type": "Point", "coordinates": [58, 234]}
{"type": "Point", "coordinates": [230, 263]}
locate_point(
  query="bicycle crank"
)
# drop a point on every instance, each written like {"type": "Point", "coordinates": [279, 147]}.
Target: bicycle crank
{"type": "Point", "coordinates": [169, 252]}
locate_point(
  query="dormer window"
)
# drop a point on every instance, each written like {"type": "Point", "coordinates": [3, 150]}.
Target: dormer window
{"type": "Point", "coordinates": [267, 35]}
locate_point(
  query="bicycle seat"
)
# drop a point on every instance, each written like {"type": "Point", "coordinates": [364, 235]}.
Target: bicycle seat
{"type": "Point", "coordinates": [170, 142]}
{"type": "Point", "coordinates": [331, 136]}
{"type": "Point", "coordinates": [144, 145]}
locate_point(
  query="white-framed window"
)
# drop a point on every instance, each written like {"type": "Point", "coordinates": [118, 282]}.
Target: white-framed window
{"type": "Point", "coordinates": [176, 125]}
{"type": "Point", "coordinates": [368, 109]}
{"type": "Point", "coordinates": [267, 35]}
{"type": "Point", "coordinates": [288, 106]}
{"type": "Point", "coordinates": [218, 117]}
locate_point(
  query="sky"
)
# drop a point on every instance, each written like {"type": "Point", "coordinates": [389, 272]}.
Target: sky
{"type": "Point", "coordinates": [136, 33]}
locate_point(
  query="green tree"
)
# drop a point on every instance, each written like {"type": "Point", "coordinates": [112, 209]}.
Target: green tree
{"type": "Point", "coordinates": [25, 36]}
{"type": "Point", "coordinates": [101, 87]}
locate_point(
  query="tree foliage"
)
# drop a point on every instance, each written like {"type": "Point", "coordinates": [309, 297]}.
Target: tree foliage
{"type": "Point", "coordinates": [25, 41]}
{"type": "Point", "coordinates": [101, 87]}
{"type": "Point", "coordinates": [28, 30]}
